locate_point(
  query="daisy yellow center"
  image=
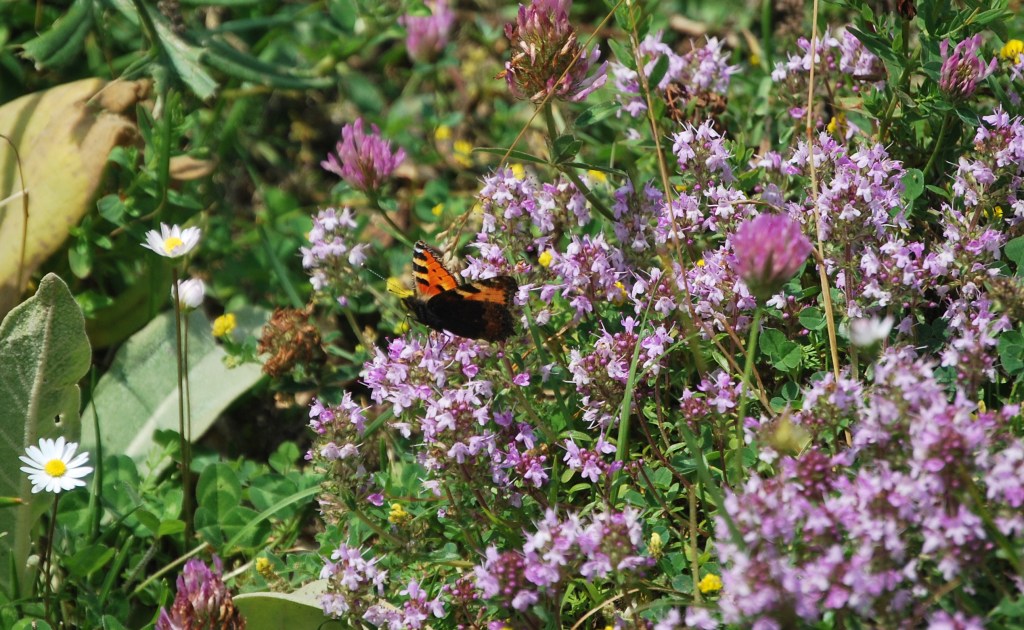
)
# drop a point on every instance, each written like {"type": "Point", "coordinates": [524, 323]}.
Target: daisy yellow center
{"type": "Point", "coordinates": [55, 468]}
{"type": "Point", "coordinates": [172, 243]}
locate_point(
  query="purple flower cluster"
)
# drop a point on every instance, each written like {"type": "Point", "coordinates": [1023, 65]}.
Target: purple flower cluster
{"type": "Point", "coordinates": [434, 392]}
{"type": "Point", "coordinates": [606, 546]}
{"type": "Point", "coordinates": [364, 160]}
{"type": "Point", "coordinates": [963, 70]}
{"type": "Point", "coordinates": [427, 35]}
{"type": "Point", "coordinates": [590, 271]}
{"type": "Point", "coordinates": [590, 462]}
{"type": "Point", "coordinates": [546, 57]}
{"type": "Point", "coordinates": [840, 61]}
{"type": "Point", "coordinates": [992, 175]}
{"type": "Point", "coordinates": [601, 375]}
{"type": "Point", "coordinates": [354, 583]}
{"type": "Point", "coordinates": [414, 613]}
{"type": "Point", "coordinates": [703, 70]}
{"type": "Point", "coordinates": [866, 532]}
{"type": "Point", "coordinates": [202, 600]}
{"type": "Point", "coordinates": [331, 258]}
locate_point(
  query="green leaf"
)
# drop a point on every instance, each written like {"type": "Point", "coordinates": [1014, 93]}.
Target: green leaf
{"type": "Point", "coordinates": [514, 154]}
{"type": "Point", "coordinates": [139, 394]}
{"type": "Point", "coordinates": [43, 353]}
{"type": "Point", "coordinates": [781, 352]}
{"type": "Point", "coordinates": [812, 318]}
{"type": "Point", "coordinates": [299, 609]}
{"type": "Point", "coordinates": [218, 488]}
{"type": "Point", "coordinates": [63, 42]}
{"type": "Point", "coordinates": [1011, 352]}
{"type": "Point", "coordinates": [88, 560]}
{"type": "Point", "coordinates": [659, 70]}
{"type": "Point", "coordinates": [180, 56]}
{"type": "Point", "coordinates": [564, 148]}
{"type": "Point", "coordinates": [913, 184]}
{"type": "Point", "coordinates": [239, 65]}
{"type": "Point", "coordinates": [1015, 252]}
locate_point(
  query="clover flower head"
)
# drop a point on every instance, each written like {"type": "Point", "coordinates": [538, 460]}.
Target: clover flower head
{"type": "Point", "coordinates": [546, 56]}
{"type": "Point", "coordinates": [202, 600]}
{"type": "Point", "coordinates": [770, 249]}
{"type": "Point", "coordinates": [426, 36]}
{"type": "Point", "coordinates": [52, 466]}
{"type": "Point", "coordinates": [190, 292]}
{"type": "Point", "coordinates": [172, 241]}
{"type": "Point", "coordinates": [364, 160]}
{"type": "Point", "coordinates": [963, 70]}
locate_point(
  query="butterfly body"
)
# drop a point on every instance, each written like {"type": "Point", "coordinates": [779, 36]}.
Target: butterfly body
{"type": "Point", "coordinates": [477, 310]}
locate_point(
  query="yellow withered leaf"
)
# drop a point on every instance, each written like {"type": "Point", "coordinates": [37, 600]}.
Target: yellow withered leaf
{"type": "Point", "coordinates": [63, 136]}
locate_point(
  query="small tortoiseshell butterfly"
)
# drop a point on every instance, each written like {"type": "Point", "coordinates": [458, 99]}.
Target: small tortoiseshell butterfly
{"type": "Point", "coordinates": [476, 310]}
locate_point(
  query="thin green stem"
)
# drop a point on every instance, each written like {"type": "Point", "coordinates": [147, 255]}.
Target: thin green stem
{"type": "Point", "coordinates": [47, 581]}
{"type": "Point", "coordinates": [567, 170]}
{"type": "Point", "coordinates": [395, 230]}
{"type": "Point", "coordinates": [186, 500]}
{"type": "Point", "coordinates": [939, 141]}
{"type": "Point", "coordinates": [694, 551]}
{"type": "Point", "coordinates": [748, 369]}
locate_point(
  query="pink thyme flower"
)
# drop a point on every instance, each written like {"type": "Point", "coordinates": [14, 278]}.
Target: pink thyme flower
{"type": "Point", "coordinates": [544, 48]}
{"type": "Point", "coordinates": [427, 35]}
{"type": "Point", "coordinates": [202, 601]}
{"type": "Point", "coordinates": [769, 249]}
{"type": "Point", "coordinates": [963, 70]}
{"type": "Point", "coordinates": [363, 160]}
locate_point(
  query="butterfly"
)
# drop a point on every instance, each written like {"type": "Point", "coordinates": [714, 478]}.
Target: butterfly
{"type": "Point", "coordinates": [477, 310]}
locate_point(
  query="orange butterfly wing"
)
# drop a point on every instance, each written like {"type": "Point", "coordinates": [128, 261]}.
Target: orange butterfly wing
{"type": "Point", "coordinates": [430, 274]}
{"type": "Point", "coordinates": [476, 310]}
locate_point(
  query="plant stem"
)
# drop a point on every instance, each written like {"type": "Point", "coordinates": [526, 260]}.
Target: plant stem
{"type": "Point", "coordinates": [186, 500]}
{"type": "Point", "coordinates": [748, 368]}
{"type": "Point", "coordinates": [567, 170]}
{"type": "Point", "coordinates": [50, 532]}
{"type": "Point", "coordinates": [938, 145]}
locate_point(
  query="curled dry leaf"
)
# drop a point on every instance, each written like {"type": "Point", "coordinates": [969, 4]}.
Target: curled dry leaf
{"type": "Point", "coordinates": [63, 136]}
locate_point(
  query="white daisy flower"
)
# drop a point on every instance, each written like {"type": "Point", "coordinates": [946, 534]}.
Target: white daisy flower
{"type": "Point", "coordinates": [52, 466]}
{"type": "Point", "coordinates": [190, 292]}
{"type": "Point", "coordinates": [172, 241]}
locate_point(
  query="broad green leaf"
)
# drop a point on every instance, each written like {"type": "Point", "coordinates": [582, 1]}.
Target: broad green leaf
{"type": "Point", "coordinates": [781, 352]}
{"type": "Point", "coordinates": [43, 354]}
{"type": "Point", "coordinates": [1011, 352]}
{"type": "Point", "coordinates": [1015, 251]}
{"type": "Point", "coordinates": [88, 560]}
{"type": "Point", "coordinates": [139, 394]}
{"type": "Point", "coordinates": [63, 136]}
{"type": "Point", "coordinates": [299, 609]}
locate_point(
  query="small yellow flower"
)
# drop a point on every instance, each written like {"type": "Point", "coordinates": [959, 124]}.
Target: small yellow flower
{"type": "Point", "coordinates": [437, 210]}
{"type": "Point", "coordinates": [398, 515]}
{"type": "Point", "coordinates": [656, 546]}
{"type": "Point", "coordinates": [681, 188]}
{"type": "Point", "coordinates": [995, 214]}
{"type": "Point", "coordinates": [264, 567]}
{"type": "Point", "coordinates": [223, 325]}
{"type": "Point", "coordinates": [837, 126]}
{"type": "Point", "coordinates": [710, 583]}
{"type": "Point", "coordinates": [700, 262]}
{"type": "Point", "coordinates": [442, 133]}
{"type": "Point", "coordinates": [755, 59]}
{"type": "Point", "coordinates": [463, 149]}
{"type": "Point", "coordinates": [402, 327]}
{"type": "Point", "coordinates": [519, 171]}
{"type": "Point", "coordinates": [621, 296]}
{"type": "Point", "coordinates": [1012, 50]}
{"type": "Point", "coordinates": [545, 258]}
{"type": "Point", "coordinates": [597, 176]}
